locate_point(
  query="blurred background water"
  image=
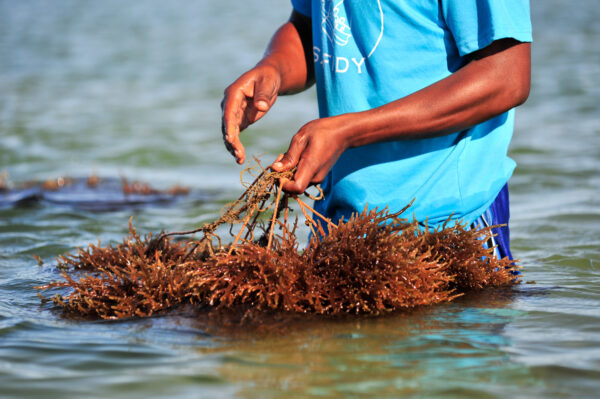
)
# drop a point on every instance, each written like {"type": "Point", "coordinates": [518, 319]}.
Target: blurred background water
{"type": "Point", "coordinates": [133, 88]}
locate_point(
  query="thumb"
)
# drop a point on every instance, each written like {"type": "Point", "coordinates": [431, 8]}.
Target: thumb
{"type": "Point", "coordinates": [290, 159]}
{"type": "Point", "coordinates": [264, 93]}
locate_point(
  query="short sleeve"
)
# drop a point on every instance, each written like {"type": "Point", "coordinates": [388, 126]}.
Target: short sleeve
{"type": "Point", "coordinates": [302, 6]}
{"type": "Point", "coordinates": [477, 23]}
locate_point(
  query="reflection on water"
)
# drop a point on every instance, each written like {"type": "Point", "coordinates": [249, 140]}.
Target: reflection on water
{"type": "Point", "coordinates": [435, 351]}
{"type": "Point", "coordinates": [134, 88]}
{"type": "Point", "coordinates": [418, 352]}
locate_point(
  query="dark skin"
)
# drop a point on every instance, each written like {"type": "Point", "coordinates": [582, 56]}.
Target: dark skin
{"type": "Point", "coordinates": [496, 79]}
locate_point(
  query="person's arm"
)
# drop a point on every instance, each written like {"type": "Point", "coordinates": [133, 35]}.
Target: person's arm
{"type": "Point", "coordinates": [494, 81]}
{"type": "Point", "coordinates": [286, 67]}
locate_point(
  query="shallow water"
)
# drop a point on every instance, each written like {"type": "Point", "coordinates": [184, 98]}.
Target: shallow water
{"type": "Point", "coordinates": [133, 89]}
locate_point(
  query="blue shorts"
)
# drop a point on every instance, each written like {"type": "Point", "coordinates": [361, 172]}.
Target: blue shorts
{"type": "Point", "coordinates": [498, 213]}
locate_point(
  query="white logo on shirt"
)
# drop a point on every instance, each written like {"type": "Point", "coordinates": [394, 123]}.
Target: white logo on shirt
{"type": "Point", "coordinates": [335, 26]}
{"type": "Point", "coordinates": [338, 31]}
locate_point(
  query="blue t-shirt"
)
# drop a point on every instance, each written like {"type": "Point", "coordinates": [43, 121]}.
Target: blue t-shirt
{"type": "Point", "coordinates": [368, 53]}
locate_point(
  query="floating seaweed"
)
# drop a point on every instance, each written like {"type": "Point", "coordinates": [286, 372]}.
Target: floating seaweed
{"type": "Point", "coordinates": [373, 263]}
{"type": "Point", "coordinates": [91, 193]}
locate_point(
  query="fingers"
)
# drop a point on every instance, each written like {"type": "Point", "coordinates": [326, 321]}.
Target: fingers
{"type": "Point", "coordinates": [264, 94]}
{"type": "Point", "coordinates": [233, 106]}
{"type": "Point", "coordinates": [297, 155]}
{"type": "Point", "coordinates": [245, 102]}
{"type": "Point", "coordinates": [313, 151]}
{"type": "Point", "coordinates": [292, 156]}
{"type": "Point", "coordinates": [302, 178]}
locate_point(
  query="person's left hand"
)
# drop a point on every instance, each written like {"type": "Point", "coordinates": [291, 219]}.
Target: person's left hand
{"type": "Point", "coordinates": [314, 150]}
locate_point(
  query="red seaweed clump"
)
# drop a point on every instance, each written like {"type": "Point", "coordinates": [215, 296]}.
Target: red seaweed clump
{"type": "Point", "coordinates": [375, 262]}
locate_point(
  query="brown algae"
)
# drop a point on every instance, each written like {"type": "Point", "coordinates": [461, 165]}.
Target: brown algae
{"type": "Point", "coordinates": [373, 263]}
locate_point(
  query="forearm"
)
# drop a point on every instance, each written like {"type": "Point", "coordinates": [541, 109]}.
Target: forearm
{"type": "Point", "coordinates": [288, 52]}
{"type": "Point", "coordinates": [484, 88]}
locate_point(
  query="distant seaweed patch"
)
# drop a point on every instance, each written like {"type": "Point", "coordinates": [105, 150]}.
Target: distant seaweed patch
{"type": "Point", "coordinates": [91, 193]}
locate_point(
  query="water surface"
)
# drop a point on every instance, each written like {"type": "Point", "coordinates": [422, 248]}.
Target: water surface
{"type": "Point", "coordinates": [133, 88]}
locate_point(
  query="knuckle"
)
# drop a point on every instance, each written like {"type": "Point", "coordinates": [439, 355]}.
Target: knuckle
{"type": "Point", "coordinates": [293, 188]}
{"type": "Point", "coordinates": [228, 91]}
{"type": "Point", "coordinates": [317, 179]}
{"type": "Point", "coordinates": [299, 139]}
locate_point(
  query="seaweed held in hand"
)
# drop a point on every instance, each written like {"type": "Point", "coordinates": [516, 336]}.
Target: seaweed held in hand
{"type": "Point", "coordinates": [375, 262]}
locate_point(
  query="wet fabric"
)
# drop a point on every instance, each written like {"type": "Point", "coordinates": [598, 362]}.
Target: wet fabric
{"type": "Point", "coordinates": [498, 214]}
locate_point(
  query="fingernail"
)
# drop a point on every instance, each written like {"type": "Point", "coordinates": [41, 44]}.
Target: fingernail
{"type": "Point", "coordinates": [277, 165]}
{"type": "Point", "coordinates": [262, 104]}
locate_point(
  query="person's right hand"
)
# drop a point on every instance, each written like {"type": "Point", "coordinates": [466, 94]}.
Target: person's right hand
{"type": "Point", "coordinates": [245, 101]}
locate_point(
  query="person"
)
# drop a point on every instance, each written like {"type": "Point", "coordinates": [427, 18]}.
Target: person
{"type": "Point", "coordinates": [415, 102]}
